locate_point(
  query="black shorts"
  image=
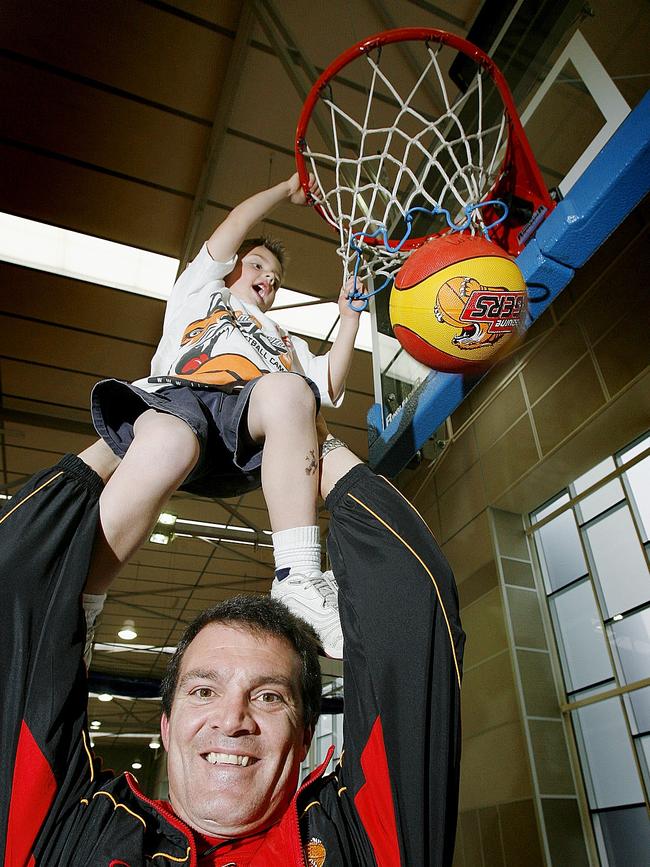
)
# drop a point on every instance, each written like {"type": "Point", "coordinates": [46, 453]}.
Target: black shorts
{"type": "Point", "coordinates": [229, 460]}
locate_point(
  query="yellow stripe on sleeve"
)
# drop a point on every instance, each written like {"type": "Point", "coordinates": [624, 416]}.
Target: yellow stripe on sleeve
{"type": "Point", "coordinates": [426, 569]}
{"type": "Point", "coordinates": [29, 496]}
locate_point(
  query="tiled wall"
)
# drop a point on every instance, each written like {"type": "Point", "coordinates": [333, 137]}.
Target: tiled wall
{"type": "Point", "coordinates": [577, 390]}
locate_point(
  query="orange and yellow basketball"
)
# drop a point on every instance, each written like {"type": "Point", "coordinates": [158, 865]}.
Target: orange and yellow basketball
{"type": "Point", "coordinates": [457, 303]}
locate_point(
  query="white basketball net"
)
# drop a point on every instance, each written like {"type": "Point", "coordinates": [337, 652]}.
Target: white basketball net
{"type": "Point", "coordinates": [379, 169]}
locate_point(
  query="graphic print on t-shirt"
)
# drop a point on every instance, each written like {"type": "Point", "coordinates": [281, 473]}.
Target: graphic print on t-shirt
{"type": "Point", "coordinates": [211, 346]}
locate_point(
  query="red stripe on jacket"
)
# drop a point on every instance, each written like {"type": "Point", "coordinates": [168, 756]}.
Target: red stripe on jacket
{"type": "Point", "coordinates": [374, 800]}
{"type": "Point", "coordinates": [32, 794]}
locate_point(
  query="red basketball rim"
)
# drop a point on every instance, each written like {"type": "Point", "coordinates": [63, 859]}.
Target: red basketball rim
{"type": "Point", "coordinates": [520, 175]}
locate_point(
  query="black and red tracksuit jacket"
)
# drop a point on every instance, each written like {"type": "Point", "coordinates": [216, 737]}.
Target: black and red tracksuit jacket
{"type": "Point", "coordinates": [392, 799]}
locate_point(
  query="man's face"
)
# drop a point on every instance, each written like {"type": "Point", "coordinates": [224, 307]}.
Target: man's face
{"type": "Point", "coordinates": [256, 278]}
{"type": "Point", "coordinates": [235, 737]}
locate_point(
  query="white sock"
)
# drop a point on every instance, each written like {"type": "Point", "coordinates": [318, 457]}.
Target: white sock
{"type": "Point", "coordinates": [93, 605]}
{"type": "Point", "coordinates": [296, 550]}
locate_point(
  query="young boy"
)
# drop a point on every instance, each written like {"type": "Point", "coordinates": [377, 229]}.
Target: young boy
{"type": "Point", "coordinates": [231, 401]}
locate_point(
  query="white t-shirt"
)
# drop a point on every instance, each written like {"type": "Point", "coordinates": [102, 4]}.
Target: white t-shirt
{"type": "Point", "coordinates": [211, 338]}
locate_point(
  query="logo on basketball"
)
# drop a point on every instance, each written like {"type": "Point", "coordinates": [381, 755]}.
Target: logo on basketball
{"type": "Point", "coordinates": [457, 303]}
{"type": "Point", "coordinates": [484, 314]}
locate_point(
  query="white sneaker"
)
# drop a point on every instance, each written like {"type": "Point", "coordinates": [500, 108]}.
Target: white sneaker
{"type": "Point", "coordinates": [314, 597]}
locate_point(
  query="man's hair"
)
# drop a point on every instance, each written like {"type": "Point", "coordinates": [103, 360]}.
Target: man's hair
{"type": "Point", "coordinates": [260, 615]}
{"type": "Point", "coordinates": [272, 245]}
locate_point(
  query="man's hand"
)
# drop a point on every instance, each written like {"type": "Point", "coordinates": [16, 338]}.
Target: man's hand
{"type": "Point", "coordinates": [295, 191]}
{"type": "Point", "coordinates": [345, 311]}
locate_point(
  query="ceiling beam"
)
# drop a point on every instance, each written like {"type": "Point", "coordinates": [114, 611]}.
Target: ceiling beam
{"type": "Point", "coordinates": [219, 126]}
{"type": "Point", "coordinates": [291, 56]}
{"type": "Point", "coordinates": [53, 422]}
{"type": "Point", "coordinates": [286, 48]}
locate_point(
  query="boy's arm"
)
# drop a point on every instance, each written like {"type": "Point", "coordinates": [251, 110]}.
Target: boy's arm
{"type": "Point", "coordinates": [340, 355]}
{"type": "Point", "coordinates": [228, 236]}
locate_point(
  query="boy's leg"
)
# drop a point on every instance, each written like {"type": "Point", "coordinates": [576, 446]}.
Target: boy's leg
{"type": "Point", "coordinates": [164, 450]}
{"type": "Point", "coordinates": [101, 459]}
{"type": "Point", "coordinates": [282, 416]}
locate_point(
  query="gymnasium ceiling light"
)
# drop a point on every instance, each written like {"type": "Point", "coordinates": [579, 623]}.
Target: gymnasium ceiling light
{"type": "Point", "coordinates": [128, 631]}
{"type": "Point", "coordinates": [163, 532]}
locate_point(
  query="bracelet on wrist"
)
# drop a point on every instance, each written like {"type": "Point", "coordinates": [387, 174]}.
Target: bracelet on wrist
{"type": "Point", "coordinates": [330, 444]}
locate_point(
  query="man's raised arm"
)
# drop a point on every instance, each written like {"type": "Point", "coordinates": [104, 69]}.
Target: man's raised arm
{"type": "Point", "coordinates": [403, 647]}
{"type": "Point", "coordinates": [47, 532]}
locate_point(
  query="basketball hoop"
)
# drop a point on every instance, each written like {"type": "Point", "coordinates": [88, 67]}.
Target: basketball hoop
{"type": "Point", "coordinates": [402, 140]}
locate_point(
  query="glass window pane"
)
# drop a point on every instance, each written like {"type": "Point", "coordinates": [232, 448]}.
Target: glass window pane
{"type": "Point", "coordinates": [638, 478]}
{"type": "Point", "coordinates": [582, 645]}
{"type": "Point", "coordinates": [604, 497]}
{"type": "Point", "coordinates": [560, 551]}
{"type": "Point", "coordinates": [632, 641]}
{"type": "Point", "coordinates": [638, 709]}
{"type": "Point", "coordinates": [643, 748]}
{"type": "Point", "coordinates": [586, 480]}
{"type": "Point", "coordinates": [549, 508]}
{"type": "Point", "coordinates": [619, 561]}
{"type": "Point", "coordinates": [606, 753]}
{"type": "Point", "coordinates": [630, 453]}
{"type": "Point", "coordinates": [626, 835]}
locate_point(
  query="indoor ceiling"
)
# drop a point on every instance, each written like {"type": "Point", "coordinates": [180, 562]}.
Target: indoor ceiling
{"type": "Point", "coordinates": [144, 122]}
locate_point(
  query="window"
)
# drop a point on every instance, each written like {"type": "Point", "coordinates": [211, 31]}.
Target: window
{"type": "Point", "coordinates": [601, 499]}
{"type": "Point", "coordinates": [561, 553]}
{"type": "Point", "coordinates": [608, 762]}
{"type": "Point", "coordinates": [618, 562]}
{"type": "Point", "coordinates": [580, 637]}
{"type": "Point", "coordinates": [593, 545]}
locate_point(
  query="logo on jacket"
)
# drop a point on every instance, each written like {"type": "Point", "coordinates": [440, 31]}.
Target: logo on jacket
{"type": "Point", "coordinates": [315, 853]}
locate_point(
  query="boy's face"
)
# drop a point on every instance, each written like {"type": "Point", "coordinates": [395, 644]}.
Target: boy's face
{"type": "Point", "coordinates": [256, 278]}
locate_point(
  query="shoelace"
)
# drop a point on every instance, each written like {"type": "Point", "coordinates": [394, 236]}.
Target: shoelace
{"type": "Point", "coordinates": [326, 590]}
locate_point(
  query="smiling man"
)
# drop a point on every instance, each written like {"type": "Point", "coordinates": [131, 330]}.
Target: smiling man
{"type": "Point", "coordinates": [240, 701]}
